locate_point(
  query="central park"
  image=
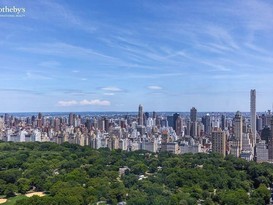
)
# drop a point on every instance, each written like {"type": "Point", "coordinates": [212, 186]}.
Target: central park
{"type": "Point", "coordinates": [72, 174]}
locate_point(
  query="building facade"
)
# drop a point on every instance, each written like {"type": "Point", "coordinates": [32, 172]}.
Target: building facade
{"type": "Point", "coordinates": [253, 114]}
{"type": "Point", "coordinates": [219, 141]}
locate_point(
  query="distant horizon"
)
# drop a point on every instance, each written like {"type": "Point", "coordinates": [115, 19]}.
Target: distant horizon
{"type": "Point", "coordinates": [130, 112]}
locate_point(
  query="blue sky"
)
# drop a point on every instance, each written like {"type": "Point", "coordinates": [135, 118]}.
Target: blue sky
{"type": "Point", "coordinates": [114, 55]}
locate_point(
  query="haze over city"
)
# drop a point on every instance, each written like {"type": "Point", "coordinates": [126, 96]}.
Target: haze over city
{"type": "Point", "coordinates": [166, 55]}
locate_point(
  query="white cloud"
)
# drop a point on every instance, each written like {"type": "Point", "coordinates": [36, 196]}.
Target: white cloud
{"type": "Point", "coordinates": [109, 94]}
{"type": "Point", "coordinates": [61, 49]}
{"type": "Point", "coordinates": [84, 102]}
{"type": "Point", "coordinates": [95, 102]}
{"type": "Point", "coordinates": [112, 89]}
{"type": "Point", "coordinates": [67, 103]}
{"type": "Point", "coordinates": [154, 87]}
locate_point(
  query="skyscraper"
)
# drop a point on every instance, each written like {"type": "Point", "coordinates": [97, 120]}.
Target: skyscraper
{"type": "Point", "coordinates": [170, 121]}
{"type": "Point", "coordinates": [194, 126]}
{"type": "Point", "coordinates": [193, 114]}
{"type": "Point", "coordinates": [6, 118]}
{"type": "Point", "coordinates": [207, 123]}
{"type": "Point", "coordinates": [175, 116]}
{"type": "Point", "coordinates": [146, 116]}
{"type": "Point", "coordinates": [270, 142]}
{"type": "Point", "coordinates": [223, 122]}
{"type": "Point", "coordinates": [238, 130]}
{"type": "Point", "coordinates": [253, 114]}
{"type": "Point", "coordinates": [154, 114]}
{"type": "Point", "coordinates": [193, 122]}
{"type": "Point", "coordinates": [70, 120]}
{"type": "Point", "coordinates": [178, 126]}
{"type": "Point", "coordinates": [39, 120]}
{"type": "Point", "coordinates": [140, 115]}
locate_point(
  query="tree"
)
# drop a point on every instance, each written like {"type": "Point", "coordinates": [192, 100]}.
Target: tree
{"type": "Point", "coordinates": [10, 190]}
{"type": "Point", "coordinates": [233, 197]}
{"type": "Point", "coordinates": [23, 185]}
{"type": "Point", "coordinates": [263, 193]}
{"type": "Point", "coordinates": [2, 186]}
{"type": "Point", "coordinates": [139, 168]}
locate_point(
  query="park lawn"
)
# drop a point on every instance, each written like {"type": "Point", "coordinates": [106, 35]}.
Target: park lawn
{"type": "Point", "coordinates": [12, 200]}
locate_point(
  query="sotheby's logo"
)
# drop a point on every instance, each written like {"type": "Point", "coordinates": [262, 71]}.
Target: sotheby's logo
{"type": "Point", "coordinates": [12, 11]}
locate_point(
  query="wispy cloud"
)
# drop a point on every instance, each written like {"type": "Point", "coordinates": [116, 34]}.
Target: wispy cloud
{"type": "Point", "coordinates": [112, 89]}
{"type": "Point", "coordinates": [222, 37]}
{"type": "Point", "coordinates": [154, 87]}
{"type": "Point", "coordinates": [216, 66]}
{"type": "Point", "coordinates": [199, 46]}
{"type": "Point", "coordinates": [58, 14]}
{"type": "Point", "coordinates": [95, 102]}
{"type": "Point", "coordinates": [71, 91]}
{"type": "Point", "coordinates": [109, 94]}
{"type": "Point", "coordinates": [21, 91]}
{"type": "Point", "coordinates": [64, 50]}
{"type": "Point", "coordinates": [68, 103]}
{"type": "Point", "coordinates": [256, 15]}
{"type": "Point", "coordinates": [85, 102]}
{"type": "Point", "coordinates": [37, 76]}
{"type": "Point", "coordinates": [154, 75]}
{"type": "Point", "coordinates": [139, 75]}
{"type": "Point", "coordinates": [258, 50]}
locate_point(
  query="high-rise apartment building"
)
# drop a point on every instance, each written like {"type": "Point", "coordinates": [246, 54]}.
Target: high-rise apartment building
{"type": "Point", "coordinates": [175, 116]}
{"type": "Point", "coordinates": [193, 121]}
{"type": "Point", "coordinates": [270, 142]}
{"type": "Point", "coordinates": [178, 126]}
{"type": "Point", "coordinates": [145, 116]}
{"type": "Point", "coordinates": [261, 152]}
{"type": "Point", "coordinates": [170, 121]}
{"type": "Point", "coordinates": [223, 122]}
{"type": "Point", "coordinates": [253, 114]}
{"type": "Point", "coordinates": [154, 114]}
{"type": "Point", "coordinates": [238, 129]}
{"type": "Point", "coordinates": [6, 118]}
{"type": "Point", "coordinates": [39, 120]}
{"type": "Point", "coordinates": [207, 124]}
{"type": "Point", "coordinates": [193, 114]}
{"type": "Point", "coordinates": [193, 131]}
{"type": "Point", "coordinates": [219, 141]}
{"type": "Point", "coordinates": [70, 119]}
{"type": "Point", "coordinates": [140, 115]}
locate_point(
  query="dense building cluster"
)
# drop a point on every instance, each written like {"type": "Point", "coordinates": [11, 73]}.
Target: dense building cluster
{"type": "Point", "coordinates": [176, 133]}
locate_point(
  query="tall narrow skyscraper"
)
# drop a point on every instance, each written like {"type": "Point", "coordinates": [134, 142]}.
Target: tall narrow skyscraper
{"type": "Point", "coordinates": [193, 114]}
{"type": "Point", "coordinates": [140, 115]}
{"type": "Point", "coordinates": [193, 118]}
{"type": "Point", "coordinates": [70, 119]}
{"type": "Point", "coordinates": [223, 122]}
{"type": "Point", "coordinates": [178, 126]}
{"type": "Point", "coordinates": [207, 124]}
{"type": "Point", "coordinates": [238, 130]}
{"type": "Point", "coordinates": [175, 116]}
{"type": "Point", "coordinates": [253, 114]}
{"type": "Point", "coordinates": [270, 142]}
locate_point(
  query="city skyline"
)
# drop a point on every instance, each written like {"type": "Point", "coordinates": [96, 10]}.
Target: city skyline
{"type": "Point", "coordinates": [95, 56]}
